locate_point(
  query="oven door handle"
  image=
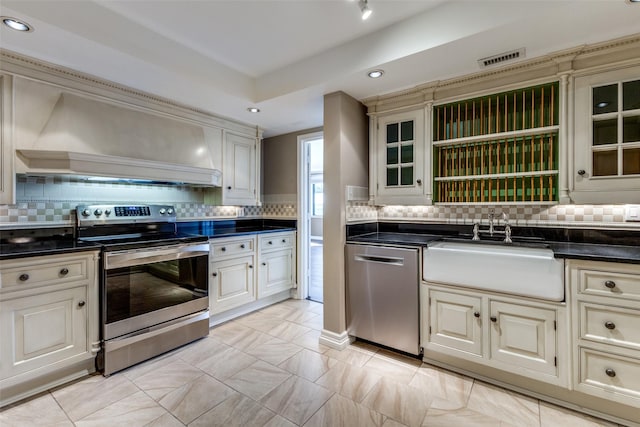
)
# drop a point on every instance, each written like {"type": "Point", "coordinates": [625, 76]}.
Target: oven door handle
{"type": "Point", "coordinates": [121, 259]}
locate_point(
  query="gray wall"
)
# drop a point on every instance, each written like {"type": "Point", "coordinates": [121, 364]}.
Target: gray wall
{"type": "Point", "coordinates": [279, 163]}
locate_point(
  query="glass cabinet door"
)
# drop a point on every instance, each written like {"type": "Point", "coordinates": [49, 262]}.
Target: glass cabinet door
{"type": "Point", "coordinates": [400, 144]}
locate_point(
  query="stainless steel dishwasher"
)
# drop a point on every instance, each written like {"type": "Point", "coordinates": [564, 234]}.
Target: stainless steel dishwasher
{"type": "Point", "coordinates": [383, 295]}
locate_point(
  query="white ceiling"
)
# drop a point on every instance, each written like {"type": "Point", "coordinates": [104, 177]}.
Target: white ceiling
{"type": "Point", "coordinates": [284, 55]}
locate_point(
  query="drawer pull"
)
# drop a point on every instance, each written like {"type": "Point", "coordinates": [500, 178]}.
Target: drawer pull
{"type": "Point", "coordinates": [609, 325]}
{"type": "Point", "coordinates": [81, 304]}
{"type": "Point", "coordinates": [493, 319]}
{"type": "Point", "coordinates": [476, 314]}
{"type": "Point", "coordinates": [610, 372]}
{"type": "Point", "coordinates": [284, 241]}
{"type": "Point", "coordinates": [64, 271]}
{"type": "Point", "coordinates": [610, 284]}
{"type": "Point", "coordinates": [264, 263]}
{"type": "Point", "coordinates": [23, 277]}
{"type": "Point", "coordinates": [270, 242]}
{"type": "Point", "coordinates": [250, 266]}
{"type": "Point", "coordinates": [214, 274]}
{"type": "Point", "coordinates": [242, 246]}
{"type": "Point", "coordinates": [223, 249]}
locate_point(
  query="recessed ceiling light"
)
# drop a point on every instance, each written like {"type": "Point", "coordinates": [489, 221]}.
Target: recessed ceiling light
{"type": "Point", "coordinates": [375, 74]}
{"type": "Point", "coordinates": [364, 8]}
{"type": "Point", "coordinates": [253, 109]}
{"type": "Point", "coordinates": [633, 1]}
{"type": "Point", "coordinates": [602, 104]}
{"type": "Point", "coordinates": [16, 24]}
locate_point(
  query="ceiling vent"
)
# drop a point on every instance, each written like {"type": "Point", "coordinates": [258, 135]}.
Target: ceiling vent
{"type": "Point", "coordinates": [500, 58]}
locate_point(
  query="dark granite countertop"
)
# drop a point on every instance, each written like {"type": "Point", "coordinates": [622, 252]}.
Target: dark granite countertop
{"type": "Point", "coordinates": [23, 243]}
{"type": "Point", "coordinates": [236, 227]}
{"type": "Point", "coordinates": [594, 245]}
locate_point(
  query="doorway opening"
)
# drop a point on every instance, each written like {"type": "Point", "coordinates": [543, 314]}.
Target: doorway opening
{"type": "Point", "coordinates": [310, 214]}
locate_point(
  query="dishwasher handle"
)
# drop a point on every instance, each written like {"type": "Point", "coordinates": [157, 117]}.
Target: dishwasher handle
{"type": "Point", "coordinates": [380, 259]}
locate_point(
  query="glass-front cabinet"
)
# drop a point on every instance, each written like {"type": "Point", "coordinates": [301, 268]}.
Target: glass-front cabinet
{"type": "Point", "coordinates": [607, 137]}
{"type": "Point", "coordinates": [400, 148]}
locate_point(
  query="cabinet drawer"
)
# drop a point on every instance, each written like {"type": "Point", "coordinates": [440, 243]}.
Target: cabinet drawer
{"type": "Point", "coordinates": [38, 272]}
{"type": "Point", "coordinates": [226, 248]}
{"type": "Point", "coordinates": [613, 325]}
{"type": "Point", "coordinates": [275, 241]}
{"type": "Point", "coordinates": [609, 282]}
{"type": "Point", "coordinates": [609, 373]}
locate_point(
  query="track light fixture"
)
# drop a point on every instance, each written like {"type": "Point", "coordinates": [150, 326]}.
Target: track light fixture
{"type": "Point", "coordinates": [364, 8]}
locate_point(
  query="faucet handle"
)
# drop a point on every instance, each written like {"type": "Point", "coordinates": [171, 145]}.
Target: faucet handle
{"type": "Point", "coordinates": [507, 234]}
{"type": "Point", "coordinates": [476, 231]}
{"type": "Point", "coordinates": [505, 218]}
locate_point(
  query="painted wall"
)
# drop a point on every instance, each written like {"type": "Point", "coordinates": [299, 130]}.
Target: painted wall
{"type": "Point", "coordinates": [346, 154]}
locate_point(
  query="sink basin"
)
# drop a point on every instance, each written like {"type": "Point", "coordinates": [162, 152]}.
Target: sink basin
{"type": "Point", "coordinates": [519, 270]}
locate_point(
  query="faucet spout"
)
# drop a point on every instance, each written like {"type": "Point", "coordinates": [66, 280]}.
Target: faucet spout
{"type": "Point", "coordinates": [476, 231]}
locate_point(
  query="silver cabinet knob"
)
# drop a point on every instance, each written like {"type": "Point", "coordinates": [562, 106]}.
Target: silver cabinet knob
{"type": "Point", "coordinates": [610, 372]}
{"type": "Point", "coordinates": [23, 277]}
{"type": "Point", "coordinates": [81, 304]}
{"type": "Point", "coordinates": [610, 284]}
{"type": "Point", "coordinates": [582, 172]}
{"type": "Point", "coordinates": [609, 325]}
{"type": "Point", "coordinates": [64, 271]}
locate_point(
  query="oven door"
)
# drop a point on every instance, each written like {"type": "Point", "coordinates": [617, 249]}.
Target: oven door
{"type": "Point", "coordinates": [146, 287]}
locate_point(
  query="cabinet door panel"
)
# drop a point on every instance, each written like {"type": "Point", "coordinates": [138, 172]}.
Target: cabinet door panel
{"type": "Point", "coordinates": [232, 284]}
{"type": "Point", "coordinates": [523, 336]}
{"type": "Point", "coordinates": [42, 329]}
{"type": "Point", "coordinates": [276, 272]}
{"type": "Point", "coordinates": [454, 323]}
{"type": "Point", "coordinates": [239, 174]}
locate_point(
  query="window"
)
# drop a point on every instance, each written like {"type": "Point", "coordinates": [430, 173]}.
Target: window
{"type": "Point", "coordinates": [317, 195]}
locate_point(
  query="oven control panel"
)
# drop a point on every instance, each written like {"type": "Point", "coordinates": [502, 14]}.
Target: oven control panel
{"type": "Point", "coordinates": [107, 214]}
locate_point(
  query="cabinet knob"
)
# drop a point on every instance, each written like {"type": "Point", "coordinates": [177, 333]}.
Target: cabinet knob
{"type": "Point", "coordinates": [609, 325]}
{"type": "Point", "coordinates": [270, 242]}
{"type": "Point", "coordinates": [493, 319]}
{"type": "Point", "coordinates": [419, 182]}
{"type": "Point", "coordinates": [223, 249]}
{"type": "Point", "coordinates": [284, 241]}
{"type": "Point", "coordinates": [250, 266]}
{"type": "Point", "coordinates": [610, 372]}
{"type": "Point", "coordinates": [64, 271]}
{"type": "Point", "coordinates": [476, 314]}
{"type": "Point", "coordinates": [23, 277]}
{"type": "Point", "coordinates": [581, 172]}
{"type": "Point", "coordinates": [610, 284]}
{"type": "Point", "coordinates": [264, 263]}
{"type": "Point", "coordinates": [242, 246]}
{"type": "Point", "coordinates": [214, 274]}
{"type": "Point", "coordinates": [81, 304]}
{"type": "Point", "coordinates": [229, 188]}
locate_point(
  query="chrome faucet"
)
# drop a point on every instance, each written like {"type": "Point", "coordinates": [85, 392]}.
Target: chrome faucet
{"type": "Point", "coordinates": [491, 218]}
{"type": "Point", "coordinates": [492, 230]}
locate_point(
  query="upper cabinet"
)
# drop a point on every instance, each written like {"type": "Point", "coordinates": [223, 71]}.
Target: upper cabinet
{"type": "Point", "coordinates": [400, 155]}
{"type": "Point", "coordinates": [7, 181]}
{"type": "Point", "coordinates": [606, 165]}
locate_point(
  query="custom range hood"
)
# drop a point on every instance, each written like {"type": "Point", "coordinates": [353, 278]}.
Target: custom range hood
{"type": "Point", "coordinates": [84, 137]}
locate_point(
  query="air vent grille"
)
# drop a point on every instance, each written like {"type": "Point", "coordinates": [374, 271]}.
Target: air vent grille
{"type": "Point", "coordinates": [501, 57]}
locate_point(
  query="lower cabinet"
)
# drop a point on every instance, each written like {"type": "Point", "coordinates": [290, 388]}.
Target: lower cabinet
{"type": "Point", "coordinates": [502, 332]}
{"type": "Point", "coordinates": [245, 269]}
{"type": "Point", "coordinates": [48, 322]}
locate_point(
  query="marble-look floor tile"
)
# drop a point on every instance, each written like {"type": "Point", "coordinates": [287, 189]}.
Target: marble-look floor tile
{"type": "Point", "coordinates": [393, 368]}
{"type": "Point", "coordinates": [348, 380]}
{"type": "Point", "coordinates": [136, 410]}
{"type": "Point", "coordinates": [316, 322]}
{"type": "Point", "coordinates": [460, 418]}
{"type": "Point", "coordinates": [308, 364]}
{"type": "Point", "coordinates": [300, 316]}
{"type": "Point", "coordinates": [448, 390]}
{"type": "Point", "coordinates": [275, 351]}
{"type": "Point", "coordinates": [555, 416]}
{"type": "Point", "coordinates": [365, 347]}
{"type": "Point", "coordinates": [507, 406]}
{"type": "Point", "coordinates": [228, 332]}
{"type": "Point", "coordinates": [258, 380]}
{"type": "Point", "coordinates": [296, 399]}
{"type": "Point", "coordinates": [235, 411]}
{"type": "Point", "coordinates": [166, 379]}
{"type": "Point", "coordinates": [167, 420]}
{"type": "Point", "coordinates": [390, 422]}
{"type": "Point", "coordinates": [279, 421]}
{"type": "Point", "coordinates": [249, 339]}
{"type": "Point", "coordinates": [317, 308]}
{"type": "Point", "coordinates": [260, 321]}
{"type": "Point", "coordinates": [39, 411]}
{"type": "Point", "coordinates": [226, 364]}
{"type": "Point", "coordinates": [92, 394]}
{"type": "Point", "coordinates": [152, 365]}
{"type": "Point", "coordinates": [201, 350]}
{"type": "Point", "coordinates": [340, 411]}
{"type": "Point", "coordinates": [279, 310]}
{"type": "Point", "coordinates": [288, 331]}
{"type": "Point", "coordinates": [195, 398]}
{"type": "Point", "coordinates": [311, 340]}
{"type": "Point", "coordinates": [349, 355]}
{"type": "Point", "coordinates": [399, 401]}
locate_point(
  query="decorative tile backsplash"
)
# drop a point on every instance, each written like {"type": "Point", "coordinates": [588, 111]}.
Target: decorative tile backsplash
{"type": "Point", "coordinates": [557, 215]}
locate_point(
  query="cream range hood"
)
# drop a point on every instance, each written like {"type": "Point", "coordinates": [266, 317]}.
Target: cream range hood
{"type": "Point", "coordinates": [84, 137]}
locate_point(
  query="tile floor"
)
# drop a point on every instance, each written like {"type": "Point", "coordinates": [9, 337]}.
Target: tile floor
{"type": "Point", "coordinates": [268, 369]}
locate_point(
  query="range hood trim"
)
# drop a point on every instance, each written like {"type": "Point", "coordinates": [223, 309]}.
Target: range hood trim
{"type": "Point", "coordinates": [65, 162]}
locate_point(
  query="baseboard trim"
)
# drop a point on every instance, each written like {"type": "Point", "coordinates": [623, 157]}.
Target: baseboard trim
{"type": "Point", "coordinates": [234, 313]}
{"type": "Point", "coordinates": [337, 341]}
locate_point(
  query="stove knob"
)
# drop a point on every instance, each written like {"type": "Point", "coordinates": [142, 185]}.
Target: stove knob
{"type": "Point", "coordinates": [107, 211]}
{"type": "Point", "coordinates": [170, 211]}
{"type": "Point", "coordinates": [97, 212]}
{"type": "Point", "coordinates": [86, 212]}
{"type": "Point", "coordinates": [162, 211]}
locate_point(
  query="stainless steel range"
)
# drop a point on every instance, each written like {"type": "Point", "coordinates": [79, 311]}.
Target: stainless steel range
{"type": "Point", "coordinates": [154, 282]}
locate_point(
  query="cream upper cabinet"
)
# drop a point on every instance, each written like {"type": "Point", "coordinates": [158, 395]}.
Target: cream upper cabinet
{"type": "Point", "coordinates": [399, 154]}
{"type": "Point", "coordinates": [239, 174]}
{"type": "Point", "coordinates": [7, 176]}
{"type": "Point", "coordinates": [606, 166]}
